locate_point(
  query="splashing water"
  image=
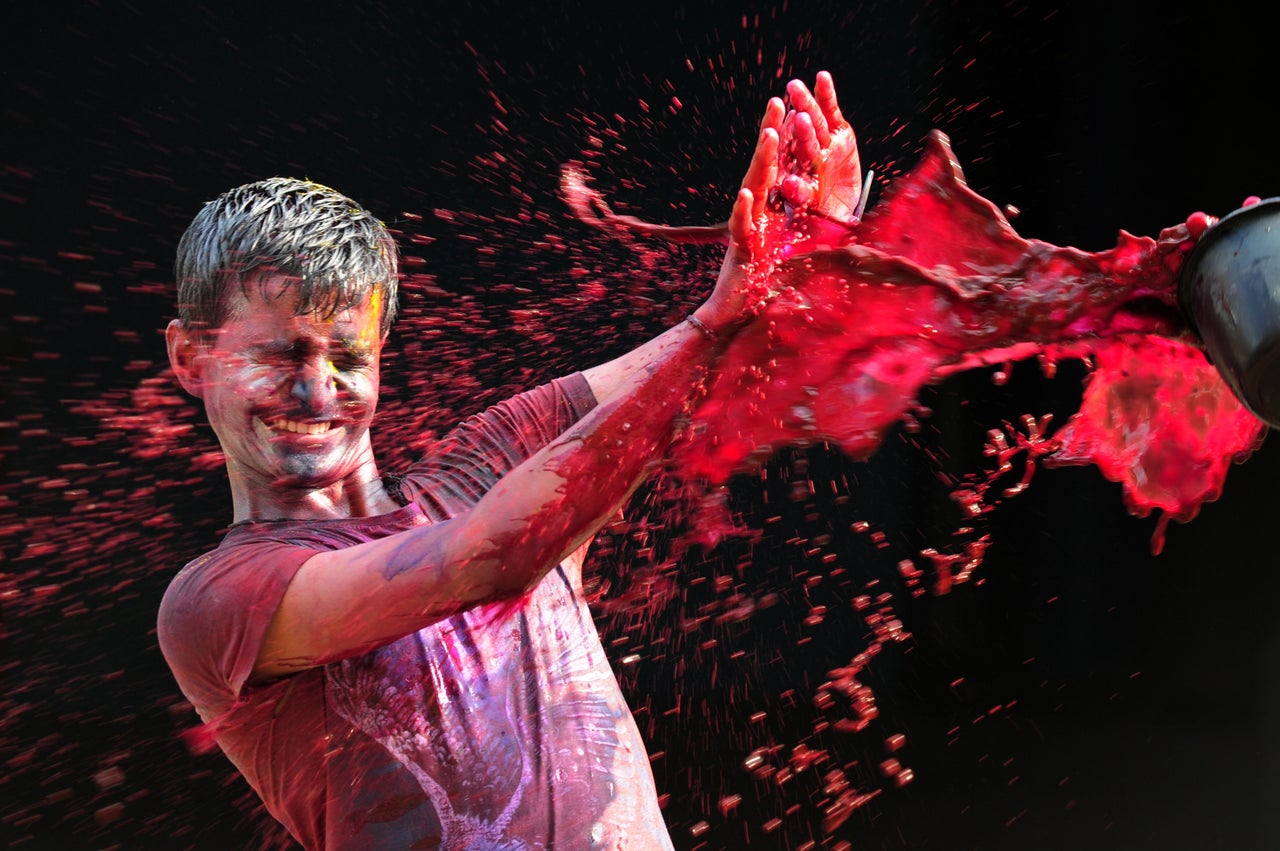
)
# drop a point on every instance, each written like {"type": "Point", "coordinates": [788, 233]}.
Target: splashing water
{"type": "Point", "coordinates": [934, 281]}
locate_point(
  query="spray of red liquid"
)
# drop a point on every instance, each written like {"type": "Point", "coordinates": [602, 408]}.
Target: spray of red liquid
{"type": "Point", "coordinates": [933, 281]}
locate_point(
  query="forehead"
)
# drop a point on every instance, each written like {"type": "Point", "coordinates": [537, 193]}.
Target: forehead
{"type": "Point", "coordinates": [267, 304]}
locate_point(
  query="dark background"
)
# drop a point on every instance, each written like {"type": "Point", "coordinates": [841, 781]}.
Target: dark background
{"type": "Point", "coordinates": [1085, 695]}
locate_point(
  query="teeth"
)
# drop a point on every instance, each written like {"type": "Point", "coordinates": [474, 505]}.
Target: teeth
{"type": "Point", "coordinates": [281, 424]}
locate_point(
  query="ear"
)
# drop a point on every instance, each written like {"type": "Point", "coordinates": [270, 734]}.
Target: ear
{"type": "Point", "coordinates": [184, 351]}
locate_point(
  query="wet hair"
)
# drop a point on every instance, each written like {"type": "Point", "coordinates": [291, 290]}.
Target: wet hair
{"type": "Point", "coordinates": [336, 253]}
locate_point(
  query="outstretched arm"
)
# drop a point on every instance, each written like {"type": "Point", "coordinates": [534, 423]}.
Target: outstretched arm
{"type": "Point", "coordinates": [348, 601]}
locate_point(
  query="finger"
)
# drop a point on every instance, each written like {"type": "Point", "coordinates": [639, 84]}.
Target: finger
{"type": "Point", "coordinates": [763, 169]}
{"type": "Point", "coordinates": [774, 119]}
{"type": "Point", "coordinates": [805, 146]}
{"type": "Point", "coordinates": [803, 101]}
{"type": "Point", "coordinates": [787, 134]}
{"type": "Point", "coordinates": [767, 153]}
{"type": "Point", "coordinates": [774, 112]}
{"type": "Point", "coordinates": [741, 222]}
{"type": "Point", "coordinates": [768, 180]}
{"type": "Point", "coordinates": [797, 192]}
{"type": "Point", "coordinates": [825, 93]}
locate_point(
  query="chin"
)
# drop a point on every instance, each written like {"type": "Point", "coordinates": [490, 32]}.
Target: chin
{"type": "Point", "coordinates": [310, 472]}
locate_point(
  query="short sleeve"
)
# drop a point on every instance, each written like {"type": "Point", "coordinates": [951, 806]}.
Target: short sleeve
{"type": "Point", "coordinates": [215, 613]}
{"type": "Point", "coordinates": [471, 458]}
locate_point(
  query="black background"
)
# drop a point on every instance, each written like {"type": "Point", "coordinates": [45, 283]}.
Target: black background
{"type": "Point", "coordinates": [1138, 699]}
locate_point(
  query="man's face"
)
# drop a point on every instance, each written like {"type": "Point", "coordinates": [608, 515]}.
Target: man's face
{"type": "Point", "coordinates": [291, 397]}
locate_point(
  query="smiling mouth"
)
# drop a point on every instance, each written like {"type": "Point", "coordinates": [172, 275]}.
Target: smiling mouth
{"type": "Point", "coordinates": [295, 426]}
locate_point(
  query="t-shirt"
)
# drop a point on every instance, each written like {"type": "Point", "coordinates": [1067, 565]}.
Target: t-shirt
{"type": "Point", "coordinates": [502, 727]}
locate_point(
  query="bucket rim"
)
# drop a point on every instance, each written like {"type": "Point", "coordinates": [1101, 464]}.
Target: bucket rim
{"type": "Point", "coordinates": [1218, 231]}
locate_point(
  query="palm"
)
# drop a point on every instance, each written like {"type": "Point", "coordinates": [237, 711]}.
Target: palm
{"type": "Point", "coordinates": [837, 182]}
{"type": "Point", "coordinates": [819, 167]}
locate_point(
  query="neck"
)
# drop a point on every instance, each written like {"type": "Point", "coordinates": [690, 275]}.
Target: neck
{"type": "Point", "coordinates": [360, 495]}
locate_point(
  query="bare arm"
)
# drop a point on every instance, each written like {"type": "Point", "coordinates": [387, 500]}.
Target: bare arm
{"type": "Point", "coordinates": [348, 601]}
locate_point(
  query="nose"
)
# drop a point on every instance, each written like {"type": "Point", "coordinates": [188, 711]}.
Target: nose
{"type": "Point", "coordinates": [314, 384]}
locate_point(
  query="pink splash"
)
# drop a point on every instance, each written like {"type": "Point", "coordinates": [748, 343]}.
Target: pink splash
{"type": "Point", "coordinates": [934, 280]}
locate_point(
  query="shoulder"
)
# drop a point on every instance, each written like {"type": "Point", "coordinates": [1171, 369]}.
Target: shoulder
{"type": "Point", "coordinates": [235, 569]}
{"type": "Point", "coordinates": [216, 610]}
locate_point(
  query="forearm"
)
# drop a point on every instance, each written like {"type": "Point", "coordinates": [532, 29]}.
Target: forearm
{"type": "Point", "coordinates": [608, 378]}
{"type": "Point", "coordinates": [556, 500]}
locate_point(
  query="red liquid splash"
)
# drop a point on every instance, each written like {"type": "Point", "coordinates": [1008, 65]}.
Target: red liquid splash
{"type": "Point", "coordinates": [934, 281]}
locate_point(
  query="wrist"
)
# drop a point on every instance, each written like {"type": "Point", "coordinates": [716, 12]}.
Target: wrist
{"type": "Point", "coordinates": [713, 322]}
{"type": "Point", "coordinates": [704, 329]}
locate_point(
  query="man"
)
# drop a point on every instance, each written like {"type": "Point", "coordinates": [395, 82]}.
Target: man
{"type": "Point", "coordinates": [409, 662]}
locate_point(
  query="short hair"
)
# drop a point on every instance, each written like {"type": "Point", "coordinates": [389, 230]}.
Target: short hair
{"type": "Point", "coordinates": [336, 251]}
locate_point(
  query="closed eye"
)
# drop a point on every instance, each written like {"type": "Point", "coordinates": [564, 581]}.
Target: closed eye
{"type": "Point", "coordinates": [353, 355]}
{"type": "Point", "coordinates": [272, 352]}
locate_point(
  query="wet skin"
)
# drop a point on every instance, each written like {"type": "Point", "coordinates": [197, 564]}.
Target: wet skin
{"type": "Point", "coordinates": [291, 398]}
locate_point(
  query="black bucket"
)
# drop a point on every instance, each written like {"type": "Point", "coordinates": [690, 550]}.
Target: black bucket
{"type": "Point", "coordinates": [1230, 291]}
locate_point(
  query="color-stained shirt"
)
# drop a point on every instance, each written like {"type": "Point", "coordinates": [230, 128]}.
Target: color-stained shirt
{"type": "Point", "coordinates": [499, 728]}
